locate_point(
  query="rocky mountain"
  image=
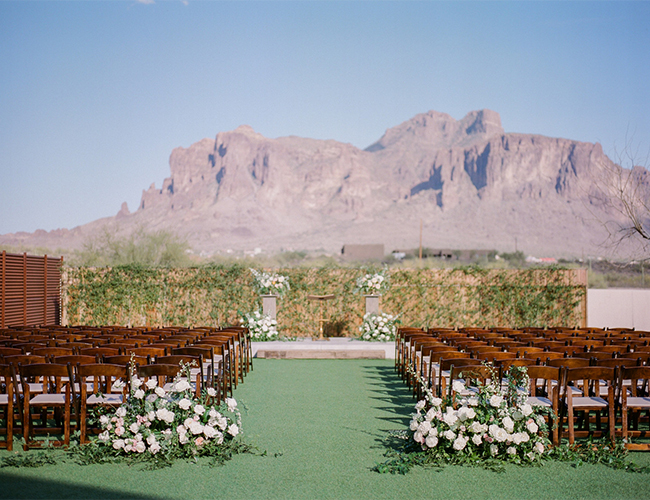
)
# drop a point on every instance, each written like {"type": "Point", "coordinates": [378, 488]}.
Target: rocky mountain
{"type": "Point", "coordinates": [471, 184]}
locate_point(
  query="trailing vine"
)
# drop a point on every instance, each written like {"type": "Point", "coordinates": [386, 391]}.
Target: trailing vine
{"type": "Point", "coordinates": [217, 295]}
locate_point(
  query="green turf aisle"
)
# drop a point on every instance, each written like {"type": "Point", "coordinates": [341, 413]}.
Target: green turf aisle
{"type": "Point", "coordinates": [322, 422]}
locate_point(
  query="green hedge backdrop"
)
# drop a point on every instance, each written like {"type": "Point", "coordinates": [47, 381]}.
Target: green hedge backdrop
{"type": "Point", "coordinates": [218, 295]}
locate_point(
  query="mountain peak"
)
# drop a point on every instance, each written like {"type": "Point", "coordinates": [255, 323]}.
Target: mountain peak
{"type": "Point", "coordinates": [439, 130]}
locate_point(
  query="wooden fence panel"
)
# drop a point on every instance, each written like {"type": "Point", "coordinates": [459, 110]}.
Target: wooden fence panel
{"type": "Point", "coordinates": [30, 290]}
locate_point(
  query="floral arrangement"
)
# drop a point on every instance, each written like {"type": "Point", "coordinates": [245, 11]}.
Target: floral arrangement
{"type": "Point", "coordinates": [270, 283]}
{"type": "Point", "coordinates": [489, 424]}
{"type": "Point", "coordinates": [261, 327]}
{"type": "Point", "coordinates": [381, 327]}
{"type": "Point", "coordinates": [372, 284]}
{"type": "Point", "coordinates": [158, 425]}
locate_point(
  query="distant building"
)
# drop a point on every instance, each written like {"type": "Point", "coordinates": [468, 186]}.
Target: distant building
{"type": "Point", "coordinates": [362, 252]}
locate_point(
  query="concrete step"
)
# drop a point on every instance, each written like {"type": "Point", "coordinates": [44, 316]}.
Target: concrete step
{"type": "Point", "coordinates": [321, 354]}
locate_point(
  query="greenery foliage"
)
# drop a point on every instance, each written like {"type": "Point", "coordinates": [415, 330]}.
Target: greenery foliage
{"type": "Point", "coordinates": [218, 295]}
{"type": "Point", "coordinates": [158, 248]}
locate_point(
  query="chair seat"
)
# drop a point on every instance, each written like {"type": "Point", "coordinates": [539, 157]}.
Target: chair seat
{"type": "Point", "coordinates": [104, 399]}
{"type": "Point", "coordinates": [45, 399]}
{"type": "Point", "coordinates": [4, 399]}
{"type": "Point", "coordinates": [589, 402]}
{"type": "Point", "coordinates": [638, 402]}
{"type": "Point", "coordinates": [539, 401]}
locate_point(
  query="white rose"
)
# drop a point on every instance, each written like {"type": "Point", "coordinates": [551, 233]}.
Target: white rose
{"type": "Point", "coordinates": [498, 433]}
{"type": "Point", "coordinates": [104, 436]}
{"type": "Point", "coordinates": [458, 386]}
{"type": "Point", "coordinates": [532, 427]}
{"type": "Point", "coordinates": [136, 382]}
{"type": "Point", "coordinates": [199, 410]}
{"type": "Point", "coordinates": [231, 403]}
{"type": "Point", "coordinates": [104, 420]}
{"type": "Point", "coordinates": [154, 448]}
{"type": "Point", "coordinates": [118, 444]}
{"type": "Point", "coordinates": [424, 428]}
{"type": "Point", "coordinates": [436, 401]}
{"type": "Point", "coordinates": [478, 428]}
{"type": "Point", "coordinates": [134, 427]}
{"type": "Point", "coordinates": [139, 394]}
{"type": "Point", "coordinates": [185, 403]}
{"type": "Point", "coordinates": [539, 447]}
{"type": "Point", "coordinates": [449, 435]}
{"type": "Point", "coordinates": [121, 412]}
{"type": "Point", "coordinates": [511, 450]}
{"type": "Point", "coordinates": [151, 383]}
{"type": "Point", "coordinates": [195, 428]}
{"type": "Point", "coordinates": [476, 439]}
{"type": "Point", "coordinates": [160, 392]}
{"type": "Point", "coordinates": [508, 424]}
{"type": "Point", "coordinates": [526, 409]}
{"type": "Point", "coordinates": [431, 441]}
{"type": "Point", "coordinates": [182, 385]}
{"type": "Point", "coordinates": [418, 437]}
{"type": "Point", "coordinates": [450, 417]}
{"type": "Point", "coordinates": [209, 431]}
{"type": "Point", "coordinates": [151, 439]}
{"type": "Point", "coordinates": [211, 392]}
{"type": "Point", "coordinates": [494, 449]}
{"type": "Point", "coordinates": [460, 443]}
{"type": "Point", "coordinates": [466, 413]}
{"type": "Point", "coordinates": [496, 400]}
{"type": "Point", "coordinates": [233, 430]}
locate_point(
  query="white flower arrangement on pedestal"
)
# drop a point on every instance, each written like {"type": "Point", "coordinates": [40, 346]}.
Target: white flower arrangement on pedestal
{"type": "Point", "coordinates": [158, 425]}
{"type": "Point", "coordinates": [490, 424]}
{"type": "Point", "coordinates": [260, 327]}
{"type": "Point", "coordinates": [378, 327]}
{"type": "Point", "coordinates": [372, 284]}
{"type": "Point", "coordinates": [270, 283]}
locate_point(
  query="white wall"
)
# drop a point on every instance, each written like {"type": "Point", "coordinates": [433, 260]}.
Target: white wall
{"type": "Point", "coordinates": [619, 307]}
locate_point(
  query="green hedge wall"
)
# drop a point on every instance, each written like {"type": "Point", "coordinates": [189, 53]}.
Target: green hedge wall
{"type": "Point", "coordinates": [218, 295]}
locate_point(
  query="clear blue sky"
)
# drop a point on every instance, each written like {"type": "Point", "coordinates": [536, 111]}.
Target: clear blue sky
{"type": "Point", "coordinates": [94, 95]}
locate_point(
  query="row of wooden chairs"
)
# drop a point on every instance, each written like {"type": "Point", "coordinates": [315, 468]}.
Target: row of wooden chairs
{"type": "Point", "coordinates": [222, 358]}
{"type": "Point", "coordinates": [43, 398]}
{"type": "Point", "coordinates": [427, 361]}
{"type": "Point", "coordinates": [611, 394]}
{"type": "Point", "coordinates": [410, 341]}
{"type": "Point", "coordinates": [231, 345]}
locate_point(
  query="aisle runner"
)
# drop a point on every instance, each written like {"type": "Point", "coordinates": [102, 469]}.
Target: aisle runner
{"type": "Point", "coordinates": [320, 419]}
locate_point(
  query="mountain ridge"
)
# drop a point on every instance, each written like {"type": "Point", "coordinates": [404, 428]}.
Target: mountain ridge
{"type": "Point", "coordinates": [472, 184]}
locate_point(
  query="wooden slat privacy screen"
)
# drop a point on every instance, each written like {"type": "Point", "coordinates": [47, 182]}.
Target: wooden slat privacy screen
{"type": "Point", "coordinates": [31, 290]}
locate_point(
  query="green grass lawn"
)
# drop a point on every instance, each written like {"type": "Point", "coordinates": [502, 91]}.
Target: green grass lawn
{"type": "Point", "coordinates": [322, 423]}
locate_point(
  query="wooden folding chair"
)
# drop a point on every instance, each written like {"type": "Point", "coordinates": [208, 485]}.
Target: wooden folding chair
{"type": "Point", "coordinates": [7, 401]}
{"type": "Point", "coordinates": [444, 365]}
{"type": "Point", "coordinates": [471, 375]}
{"type": "Point", "coordinates": [96, 382]}
{"type": "Point", "coordinates": [54, 395]}
{"type": "Point", "coordinates": [632, 404]}
{"type": "Point", "coordinates": [212, 368]}
{"type": "Point", "coordinates": [196, 369]}
{"type": "Point", "coordinates": [543, 390]}
{"type": "Point", "coordinates": [165, 374]}
{"type": "Point", "coordinates": [588, 381]}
